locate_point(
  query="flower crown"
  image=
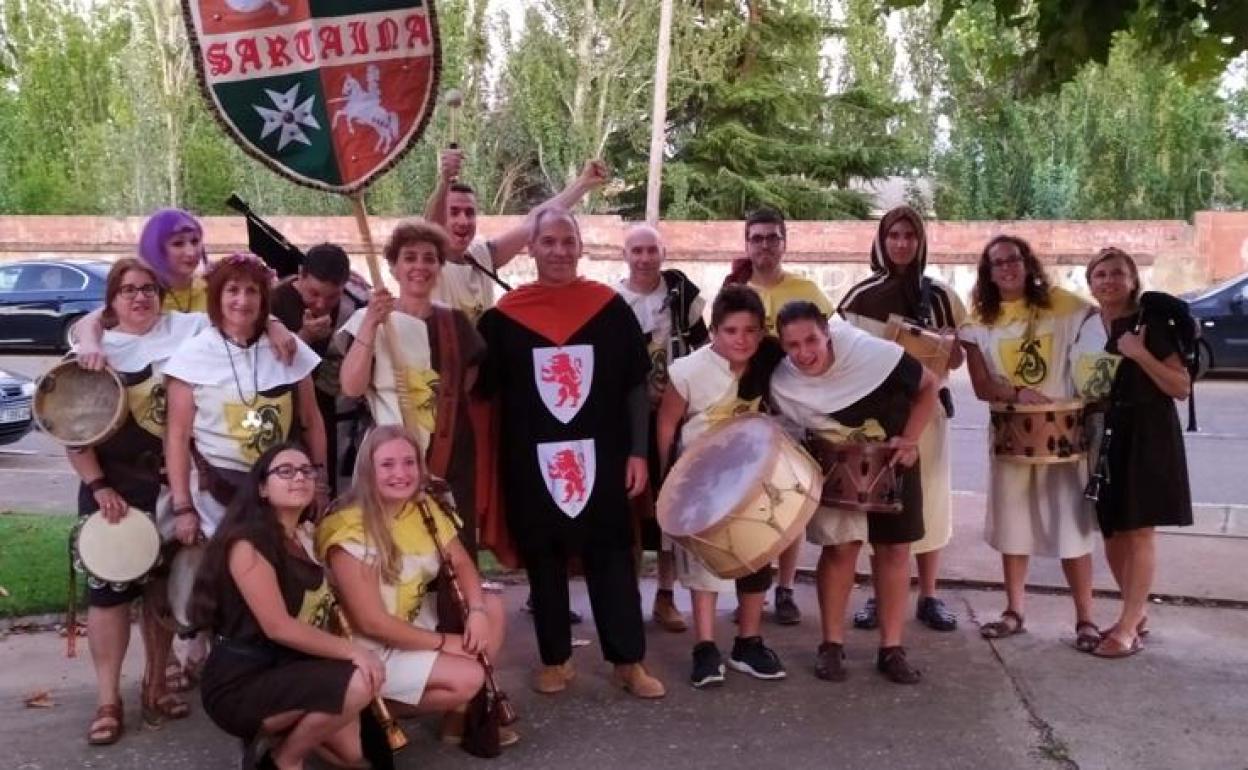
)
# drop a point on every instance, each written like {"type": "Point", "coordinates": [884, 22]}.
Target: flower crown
{"type": "Point", "coordinates": [241, 259]}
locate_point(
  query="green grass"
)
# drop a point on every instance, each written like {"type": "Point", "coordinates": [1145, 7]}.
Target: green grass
{"type": "Point", "coordinates": [33, 563]}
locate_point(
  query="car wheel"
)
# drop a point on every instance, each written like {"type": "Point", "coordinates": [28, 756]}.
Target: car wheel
{"type": "Point", "coordinates": [1204, 360]}
{"type": "Point", "coordinates": [67, 344]}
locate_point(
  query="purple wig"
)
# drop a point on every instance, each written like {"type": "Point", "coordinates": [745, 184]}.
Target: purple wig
{"type": "Point", "coordinates": [160, 227]}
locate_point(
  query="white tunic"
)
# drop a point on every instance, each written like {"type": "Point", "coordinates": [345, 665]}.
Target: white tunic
{"type": "Point", "coordinates": [464, 287]}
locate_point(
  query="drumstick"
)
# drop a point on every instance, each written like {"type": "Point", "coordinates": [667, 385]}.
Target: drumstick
{"type": "Point", "coordinates": [454, 100]}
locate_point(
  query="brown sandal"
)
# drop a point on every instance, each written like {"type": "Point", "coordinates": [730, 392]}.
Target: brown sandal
{"type": "Point", "coordinates": [1110, 647]}
{"type": "Point", "coordinates": [106, 734]}
{"type": "Point", "coordinates": [1087, 636]}
{"type": "Point", "coordinates": [1009, 624]}
{"type": "Point", "coordinates": [163, 708]}
{"type": "Point", "coordinates": [177, 678]}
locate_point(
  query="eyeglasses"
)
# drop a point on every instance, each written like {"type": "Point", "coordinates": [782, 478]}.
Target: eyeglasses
{"type": "Point", "coordinates": [129, 290]}
{"type": "Point", "coordinates": [288, 472]}
{"type": "Point", "coordinates": [771, 239]}
{"type": "Point", "coordinates": [998, 264]}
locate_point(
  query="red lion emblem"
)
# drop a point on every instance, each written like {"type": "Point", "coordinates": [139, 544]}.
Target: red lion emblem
{"type": "Point", "coordinates": [569, 467]}
{"type": "Point", "coordinates": [564, 371]}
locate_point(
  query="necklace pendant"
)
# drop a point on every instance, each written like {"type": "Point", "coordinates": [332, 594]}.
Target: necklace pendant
{"type": "Point", "coordinates": [251, 421]}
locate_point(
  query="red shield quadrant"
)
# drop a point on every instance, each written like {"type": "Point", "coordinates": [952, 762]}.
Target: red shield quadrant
{"type": "Point", "coordinates": [330, 93]}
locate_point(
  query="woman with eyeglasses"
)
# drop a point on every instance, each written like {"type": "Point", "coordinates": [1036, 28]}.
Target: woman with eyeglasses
{"type": "Point", "coordinates": [125, 471]}
{"type": "Point", "coordinates": [1017, 347]}
{"type": "Point", "coordinates": [231, 398]}
{"type": "Point", "coordinates": [274, 670]}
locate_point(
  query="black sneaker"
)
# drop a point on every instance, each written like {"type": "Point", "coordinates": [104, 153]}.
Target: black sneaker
{"type": "Point", "coordinates": [867, 617]}
{"type": "Point", "coordinates": [708, 666]}
{"type": "Point", "coordinates": [830, 662]}
{"type": "Point", "coordinates": [787, 613]}
{"type": "Point", "coordinates": [751, 656]}
{"type": "Point", "coordinates": [935, 615]}
{"type": "Point", "coordinates": [892, 664]}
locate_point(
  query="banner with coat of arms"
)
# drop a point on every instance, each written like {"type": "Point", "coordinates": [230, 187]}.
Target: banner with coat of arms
{"type": "Point", "coordinates": [329, 93]}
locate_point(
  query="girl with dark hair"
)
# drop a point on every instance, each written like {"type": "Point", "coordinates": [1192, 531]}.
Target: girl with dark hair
{"type": "Point", "coordinates": [1126, 365]}
{"type": "Point", "coordinates": [231, 398]}
{"type": "Point", "coordinates": [1017, 350]}
{"type": "Point", "coordinates": [897, 286]}
{"type": "Point", "coordinates": [273, 670]}
{"type": "Point", "coordinates": [125, 472]}
{"type": "Point", "coordinates": [715, 383]}
{"type": "Point", "coordinates": [844, 385]}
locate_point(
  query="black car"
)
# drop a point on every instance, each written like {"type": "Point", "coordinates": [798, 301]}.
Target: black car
{"type": "Point", "coordinates": [40, 300]}
{"type": "Point", "coordinates": [1222, 313]}
{"type": "Point", "coordinates": [15, 395]}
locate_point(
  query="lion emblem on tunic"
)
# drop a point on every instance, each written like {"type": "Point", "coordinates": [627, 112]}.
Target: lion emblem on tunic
{"type": "Point", "coordinates": [565, 371]}
{"type": "Point", "coordinates": [568, 466]}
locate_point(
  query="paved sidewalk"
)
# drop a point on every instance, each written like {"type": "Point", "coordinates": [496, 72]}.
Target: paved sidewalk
{"type": "Point", "coordinates": [1027, 702]}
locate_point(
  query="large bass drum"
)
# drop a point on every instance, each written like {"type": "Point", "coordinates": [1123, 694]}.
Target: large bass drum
{"type": "Point", "coordinates": [739, 495]}
{"type": "Point", "coordinates": [79, 408]}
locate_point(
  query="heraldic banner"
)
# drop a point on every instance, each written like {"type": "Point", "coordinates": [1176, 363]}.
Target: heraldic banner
{"type": "Point", "coordinates": [330, 93]}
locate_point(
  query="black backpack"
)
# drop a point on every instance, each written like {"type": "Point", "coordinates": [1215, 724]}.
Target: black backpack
{"type": "Point", "coordinates": [1158, 309]}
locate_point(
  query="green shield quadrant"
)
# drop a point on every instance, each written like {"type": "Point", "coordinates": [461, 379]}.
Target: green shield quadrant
{"type": "Point", "coordinates": [246, 104]}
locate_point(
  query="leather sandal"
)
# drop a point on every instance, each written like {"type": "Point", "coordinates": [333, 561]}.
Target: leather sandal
{"type": "Point", "coordinates": [162, 708]}
{"type": "Point", "coordinates": [1110, 647]}
{"type": "Point", "coordinates": [1009, 624]}
{"type": "Point", "coordinates": [1087, 636]}
{"type": "Point", "coordinates": [110, 731]}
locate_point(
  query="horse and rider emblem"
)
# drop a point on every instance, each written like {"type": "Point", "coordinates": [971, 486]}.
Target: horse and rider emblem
{"type": "Point", "coordinates": [569, 468]}
{"type": "Point", "coordinates": [563, 377]}
{"type": "Point", "coordinates": [329, 93]}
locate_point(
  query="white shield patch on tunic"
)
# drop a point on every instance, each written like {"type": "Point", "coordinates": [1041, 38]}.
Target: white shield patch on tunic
{"type": "Point", "coordinates": [569, 468]}
{"type": "Point", "coordinates": [564, 377]}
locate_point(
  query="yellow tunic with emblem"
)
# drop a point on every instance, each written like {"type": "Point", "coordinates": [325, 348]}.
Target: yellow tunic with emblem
{"type": "Point", "coordinates": [709, 388]}
{"type": "Point", "coordinates": [790, 288]}
{"type": "Point", "coordinates": [407, 671]}
{"type": "Point", "coordinates": [1035, 510]}
{"type": "Point", "coordinates": [192, 299]}
{"type": "Point", "coordinates": [1092, 372]}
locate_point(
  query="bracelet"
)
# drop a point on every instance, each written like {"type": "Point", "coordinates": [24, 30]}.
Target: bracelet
{"type": "Point", "coordinates": [441, 643]}
{"type": "Point", "coordinates": [95, 485]}
{"type": "Point", "coordinates": [364, 342]}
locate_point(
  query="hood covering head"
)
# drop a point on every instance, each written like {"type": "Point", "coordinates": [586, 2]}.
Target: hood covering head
{"type": "Point", "coordinates": [880, 261]}
{"type": "Point", "coordinates": [890, 288]}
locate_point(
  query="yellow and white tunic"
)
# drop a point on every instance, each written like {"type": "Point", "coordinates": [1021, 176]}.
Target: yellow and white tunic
{"type": "Point", "coordinates": [418, 376]}
{"type": "Point", "coordinates": [463, 287]}
{"type": "Point", "coordinates": [408, 599]}
{"type": "Point", "coordinates": [934, 451]}
{"type": "Point", "coordinates": [790, 288]}
{"type": "Point", "coordinates": [192, 299]}
{"type": "Point", "coordinates": [245, 402]}
{"type": "Point", "coordinates": [654, 315]}
{"type": "Point", "coordinates": [709, 387]}
{"type": "Point", "coordinates": [1035, 510]}
{"type": "Point", "coordinates": [1092, 372]}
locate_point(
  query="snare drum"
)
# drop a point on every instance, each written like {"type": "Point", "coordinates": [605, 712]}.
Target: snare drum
{"type": "Point", "coordinates": [932, 349]}
{"type": "Point", "coordinates": [1038, 434]}
{"type": "Point", "coordinates": [182, 571]}
{"type": "Point", "coordinates": [116, 553]}
{"type": "Point", "coordinates": [739, 495]}
{"type": "Point", "coordinates": [79, 408]}
{"type": "Point", "coordinates": [857, 476]}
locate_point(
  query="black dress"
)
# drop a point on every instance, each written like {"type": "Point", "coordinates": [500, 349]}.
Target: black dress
{"type": "Point", "coordinates": [248, 678]}
{"type": "Point", "coordinates": [1148, 484]}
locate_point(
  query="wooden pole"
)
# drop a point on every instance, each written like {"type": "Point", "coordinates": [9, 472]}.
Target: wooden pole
{"type": "Point", "coordinates": [658, 114]}
{"type": "Point", "coordinates": [375, 275]}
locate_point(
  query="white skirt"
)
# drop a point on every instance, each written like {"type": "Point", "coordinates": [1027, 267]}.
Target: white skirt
{"type": "Point", "coordinates": [407, 671]}
{"type": "Point", "coordinates": [937, 482]}
{"type": "Point", "coordinates": [1038, 510]}
{"type": "Point", "coordinates": [695, 576]}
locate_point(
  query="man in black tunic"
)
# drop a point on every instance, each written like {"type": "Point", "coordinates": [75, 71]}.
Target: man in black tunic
{"type": "Point", "coordinates": [567, 364]}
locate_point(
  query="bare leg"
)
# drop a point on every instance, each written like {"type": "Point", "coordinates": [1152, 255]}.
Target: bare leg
{"type": "Point", "coordinates": [834, 579]}
{"type": "Point", "coordinates": [788, 565]}
{"type": "Point", "coordinates": [929, 566]}
{"type": "Point", "coordinates": [108, 635]}
{"type": "Point", "coordinates": [314, 728]}
{"type": "Point", "coordinates": [454, 681]}
{"type": "Point", "coordinates": [667, 570]}
{"type": "Point", "coordinates": [750, 618]}
{"type": "Point", "coordinates": [1079, 577]}
{"type": "Point", "coordinates": [704, 614]}
{"type": "Point", "coordinates": [1015, 568]}
{"type": "Point", "coordinates": [1116, 549]}
{"type": "Point", "coordinates": [1140, 567]}
{"type": "Point", "coordinates": [892, 589]}
{"type": "Point", "coordinates": [496, 614]}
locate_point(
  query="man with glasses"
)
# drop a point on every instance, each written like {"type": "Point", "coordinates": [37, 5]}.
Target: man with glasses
{"type": "Point", "coordinates": [762, 270]}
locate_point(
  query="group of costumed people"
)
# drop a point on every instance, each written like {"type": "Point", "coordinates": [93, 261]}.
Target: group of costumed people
{"type": "Point", "coordinates": [541, 426]}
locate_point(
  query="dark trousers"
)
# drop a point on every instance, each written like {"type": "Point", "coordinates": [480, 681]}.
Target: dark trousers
{"type": "Point", "coordinates": [611, 577]}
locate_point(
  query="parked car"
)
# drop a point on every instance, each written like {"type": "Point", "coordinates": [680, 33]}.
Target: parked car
{"type": "Point", "coordinates": [1222, 313]}
{"type": "Point", "coordinates": [40, 300]}
{"type": "Point", "coordinates": [15, 394]}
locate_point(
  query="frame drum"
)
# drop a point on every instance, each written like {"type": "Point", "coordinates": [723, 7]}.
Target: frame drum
{"type": "Point", "coordinates": [79, 408]}
{"type": "Point", "coordinates": [117, 553]}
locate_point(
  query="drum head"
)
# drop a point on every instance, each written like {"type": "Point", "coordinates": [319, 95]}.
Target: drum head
{"type": "Point", "coordinates": [716, 473]}
{"type": "Point", "coordinates": [182, 572]}
{"type": "Point", "coordinates": [77, 407]}
{"type": "Point", "coordinates": [121, 552]}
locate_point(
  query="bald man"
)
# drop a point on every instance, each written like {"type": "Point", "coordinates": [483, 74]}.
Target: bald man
{"type": "Point", "coordinates": [669, 308]}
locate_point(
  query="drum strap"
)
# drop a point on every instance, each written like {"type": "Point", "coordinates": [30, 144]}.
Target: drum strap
{"type": "Point", "coordinates": [449, 385]}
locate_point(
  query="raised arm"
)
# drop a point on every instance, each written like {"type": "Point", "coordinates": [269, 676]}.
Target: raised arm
{"type": "Point", "coordinates": [505, 247]}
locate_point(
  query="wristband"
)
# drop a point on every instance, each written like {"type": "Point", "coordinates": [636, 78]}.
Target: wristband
{"type": "Point", "coordinates": [95, 485]}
